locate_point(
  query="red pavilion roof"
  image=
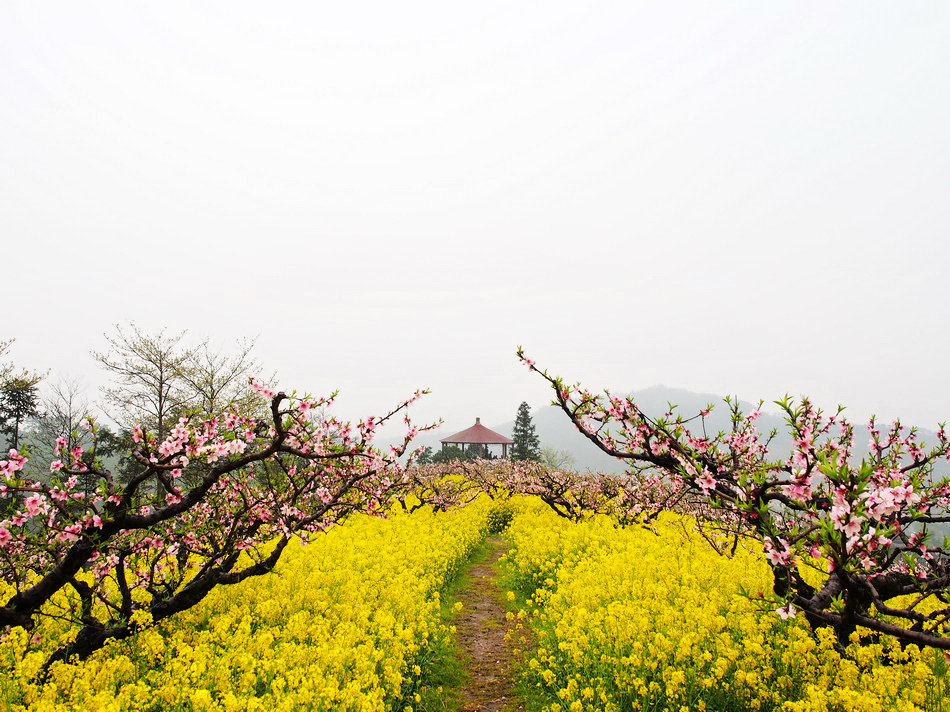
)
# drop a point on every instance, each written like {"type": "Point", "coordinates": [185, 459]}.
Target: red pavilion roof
{"type": "Point", "coordinates": [478, 434]}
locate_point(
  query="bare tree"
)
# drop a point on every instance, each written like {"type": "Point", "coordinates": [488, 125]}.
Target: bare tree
{"type": "Point", "coordinates": [63, 415]}
{"type": "Point", "coordinates": [220, 379]}
{"type": "Point", "coordinates": [6, 369]}
{"type": "Point", "coordinates": [64, 410]}
{"type": "Point", "coordinates": [557, 459]}
{"type": "Point", "coordinates": [159, 377]}
{"type": "Point", "coordinates": [149, 387]}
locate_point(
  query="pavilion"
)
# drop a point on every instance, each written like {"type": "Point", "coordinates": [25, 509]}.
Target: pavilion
{"type": "Point", "coordinates": [478, 434]}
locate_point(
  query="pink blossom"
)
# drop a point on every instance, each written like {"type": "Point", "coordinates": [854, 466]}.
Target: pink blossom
{"type": "Point", "coordinates": [787, 611]}
{"type": "Point", "coordinates": [15, 463]}
{"type": "Point", "coordinates": [261, 390]}
{"type": "Point", "coordinates": [34, 505]}
{"type": "Point", "coordinates": [777, 556]}
{"type": "Point", "coordinates": [838, 514]}
{"type": "Point", "coordinates": [707, 482]}
{"type": "Point", "coordinates": [71, 533]}
{"type": "Point", "coordinates": [853, 527]}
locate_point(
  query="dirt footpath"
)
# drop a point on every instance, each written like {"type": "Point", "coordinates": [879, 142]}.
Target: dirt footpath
{"type": "Point", "coordinates": [480, 632]}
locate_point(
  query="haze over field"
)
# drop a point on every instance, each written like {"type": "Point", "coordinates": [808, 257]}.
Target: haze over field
{"type": "Point", "coordinates": [745, 199]}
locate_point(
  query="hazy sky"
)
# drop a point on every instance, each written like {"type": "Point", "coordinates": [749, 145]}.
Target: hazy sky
{"type": "Point", "coordinates": [739, 197]}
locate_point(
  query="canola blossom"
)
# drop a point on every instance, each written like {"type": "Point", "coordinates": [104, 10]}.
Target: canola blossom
{"type": "Point", "coordinates": [628, 619]}
{"type": "Point", "coordinates": [347, 622]}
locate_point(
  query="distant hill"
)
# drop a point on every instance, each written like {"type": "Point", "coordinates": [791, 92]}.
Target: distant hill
{"type": "Point", "coordinates": [555, 429]}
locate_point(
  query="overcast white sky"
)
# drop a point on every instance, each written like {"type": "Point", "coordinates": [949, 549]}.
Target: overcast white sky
{"type": "Point", "coordinates": [739, 197]}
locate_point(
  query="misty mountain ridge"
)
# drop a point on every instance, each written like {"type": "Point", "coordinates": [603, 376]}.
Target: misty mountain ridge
{"type": "Point", "coordinates": [555, 430]}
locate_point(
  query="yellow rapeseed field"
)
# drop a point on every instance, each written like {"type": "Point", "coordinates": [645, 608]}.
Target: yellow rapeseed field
{"type": "Point", "coordinates": [622, 619]}
{"type": "Point", "coordinates": [345, 623]}
{"type": "Point", "coordinates": [626, 619]}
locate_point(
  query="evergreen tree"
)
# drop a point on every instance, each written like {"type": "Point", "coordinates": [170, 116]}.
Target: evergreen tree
{"type": "Point", "coordinates": [19, 401]}
{"type": "Point", "coordinates": [19, 397]}
{"type": "Point", "coordinates": [526, 445]}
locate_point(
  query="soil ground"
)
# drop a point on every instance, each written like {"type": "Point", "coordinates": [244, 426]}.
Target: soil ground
{"type": "Point", "coordinates": [480, 635]}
